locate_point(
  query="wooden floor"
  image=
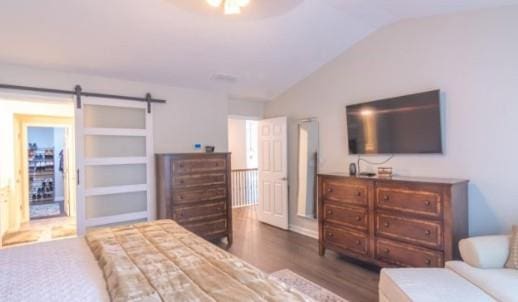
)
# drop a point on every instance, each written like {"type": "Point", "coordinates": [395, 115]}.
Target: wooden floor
{"type": "Point", "coordinates": [271, 249]}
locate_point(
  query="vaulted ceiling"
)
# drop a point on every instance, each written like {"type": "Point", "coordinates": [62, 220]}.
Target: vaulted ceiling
{"type": "Point", "coordinates": [256, 55]}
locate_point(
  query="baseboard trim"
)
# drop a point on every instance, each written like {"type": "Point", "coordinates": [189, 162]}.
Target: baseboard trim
{"type": "Point", "coordinates": [304, 231]}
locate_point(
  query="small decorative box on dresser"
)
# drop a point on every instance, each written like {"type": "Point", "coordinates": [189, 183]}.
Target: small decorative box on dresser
{"type": "Point", "coordinates": [194, 190]}
{"type": "Point", "coordinates": [415, 222]}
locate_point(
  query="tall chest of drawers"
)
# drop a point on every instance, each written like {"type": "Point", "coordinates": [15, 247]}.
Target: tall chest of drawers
{"type": "Point", "coordinates": [409, 222]}
{"type": "Point", "coordinates": [194, 190]}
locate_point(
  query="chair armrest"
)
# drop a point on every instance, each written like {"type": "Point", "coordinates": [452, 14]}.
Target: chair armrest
{"type": "Point", "coordinates": [485, 251]}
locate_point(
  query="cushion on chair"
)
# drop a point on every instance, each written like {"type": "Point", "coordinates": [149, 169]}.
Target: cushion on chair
{"type": "Point", "coordinates": [512, 262]}
{"type": "Point", "coordinates": [485, 251]}
{"type": "Point", "coordinates": [501, 284]}
{"type": "Point", "coordinates": [427, 285]}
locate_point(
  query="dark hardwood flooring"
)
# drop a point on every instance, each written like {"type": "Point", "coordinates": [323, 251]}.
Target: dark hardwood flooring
{"type": "Point", "coordinates": [271, 249]}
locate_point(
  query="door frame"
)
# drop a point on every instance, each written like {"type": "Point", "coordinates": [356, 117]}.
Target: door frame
{"type": "Point", "coordinates": [24, 121]}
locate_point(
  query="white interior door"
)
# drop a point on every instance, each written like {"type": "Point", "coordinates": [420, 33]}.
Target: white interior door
{"type": "Point", "coordinates": [273, 172]}
{"type": "Point", "coordinates": [114, 161]}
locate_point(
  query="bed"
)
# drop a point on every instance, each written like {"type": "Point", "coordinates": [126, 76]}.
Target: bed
{"type": "Point", "coordinates": [154, 261]}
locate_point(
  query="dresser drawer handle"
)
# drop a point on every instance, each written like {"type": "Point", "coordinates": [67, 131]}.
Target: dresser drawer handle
{"type": "Point", "coordinates": [428, 232]}
{"type": "Point", "coordinates": [181, 165]}
{"type": "Point", "coordinates": [386, 250]}
{"type": "Point", "coordinates": [358, 218]}
{"type": "Point", "coordinates": [329, 212]}
{"type": "Point", "coordinates": [386, 197]}
{"type": "Point", "coordinates": [330, 190]}
{"type": "Point", "coordinates": [427, 203]}
{"type": "Point", "coordinates": [428, 261]}
{"type": "Point", "coordinates": [181, 197]}
{"type": "Point", "coordinates": [329, 234]}
{"type": "Point", "coordinates": [181, 214]}
{"type": "Point", "coordinates": [386, 224]}
{"type": "Point", "coordinates": [182, 181]}
{"type": "Point", "coordinates": [359, 194]}
{"type": "Point", "coordinates": [358, 242]}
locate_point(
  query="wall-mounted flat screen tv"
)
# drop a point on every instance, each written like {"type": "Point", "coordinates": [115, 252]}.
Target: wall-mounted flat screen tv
{"type": "Point", "coordinates": [408, 124]}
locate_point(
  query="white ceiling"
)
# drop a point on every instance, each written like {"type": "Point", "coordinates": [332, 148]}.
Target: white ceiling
{"type": "Point", "coordinates": [273, 45]}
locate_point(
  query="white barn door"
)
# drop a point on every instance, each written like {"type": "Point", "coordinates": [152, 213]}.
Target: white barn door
{"type": "Point", "coordinates": [114, 161]}
{"type": "Point", "coordinates": [273, 172]}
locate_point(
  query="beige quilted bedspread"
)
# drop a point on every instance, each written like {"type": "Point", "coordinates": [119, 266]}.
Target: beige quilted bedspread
{"type": "Point", "coordinates": [161, 261]}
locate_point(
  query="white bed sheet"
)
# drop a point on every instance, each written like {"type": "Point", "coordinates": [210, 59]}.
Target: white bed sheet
{"type": "Point", "coordinates": [61, 270]}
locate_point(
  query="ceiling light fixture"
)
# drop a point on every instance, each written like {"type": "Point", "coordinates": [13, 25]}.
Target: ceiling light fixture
{"type": "Point", "coordinates": [230, 7]}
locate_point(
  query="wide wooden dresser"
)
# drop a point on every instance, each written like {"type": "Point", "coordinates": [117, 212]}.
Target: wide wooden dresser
{"type": "Point", "coordinates": [397, 222]}
{"type": "Point", "coordinates": [194, 190]}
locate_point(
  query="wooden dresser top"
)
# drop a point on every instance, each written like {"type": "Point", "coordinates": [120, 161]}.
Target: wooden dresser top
{"type": "Point", "coordinates": [430, 180]}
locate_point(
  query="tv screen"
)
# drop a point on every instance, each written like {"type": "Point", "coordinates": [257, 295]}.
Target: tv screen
{"type": "Point", "coordinates": [403, 125]}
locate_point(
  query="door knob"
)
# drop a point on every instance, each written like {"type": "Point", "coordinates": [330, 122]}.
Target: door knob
{"type": "Point", "coordinates": [284, 178]}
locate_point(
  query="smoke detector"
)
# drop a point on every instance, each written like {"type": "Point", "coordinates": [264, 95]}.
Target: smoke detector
{"type": "Point", "coordinates": [222, 77]}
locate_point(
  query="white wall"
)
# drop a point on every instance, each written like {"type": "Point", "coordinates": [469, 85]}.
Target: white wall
{"type": "Point", "coordinates": [189, 117]}
{"type": "Point", "coordinates": [43, 137]}
{"type": "Point", "coordinates": [237, 142]}
{"type": "Point", "coordinates": [473, 58]}
{"type": "Point", "coordinates": [250, 109]}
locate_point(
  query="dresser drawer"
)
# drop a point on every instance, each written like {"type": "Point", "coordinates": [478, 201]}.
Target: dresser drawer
{"type": "Point", "coordinates": [346, 239]}
{"type": "Point", "coordinates": [200, 212]}
{"type": "Point", "coordinates": [409, 201]}
{"type": "Point", "coordinates": [193, 166]}
{"type": "Point", "coordinates": [207, 228]}
{"type": "Point", "coordinates": [350, 193]}
{"type": "Point", "coordinates": [349, 216]}
{"type": "Point", "coordinates": [407, 255]}
{"type": "Point", "coordinates": [189, 181]}
{"type": "Point", "coordinates": [199, 195]}
{"type": "Point", "coordinates": [427, 233]}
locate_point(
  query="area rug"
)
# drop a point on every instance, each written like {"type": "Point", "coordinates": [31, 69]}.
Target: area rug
{"type": "Point", "coordinates": [305, 286]}
{"type": "Point", "coordinates": [45, 210]}
{"type": "Point", "coordinates": [61, 231]}
{"type": "Point", "coordinates": [20, 237]}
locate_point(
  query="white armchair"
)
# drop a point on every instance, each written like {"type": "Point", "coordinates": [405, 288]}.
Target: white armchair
{"type": "Point", "coordinates": [481, 277]}
{"type": "Point", "coordinates": [485, 251]}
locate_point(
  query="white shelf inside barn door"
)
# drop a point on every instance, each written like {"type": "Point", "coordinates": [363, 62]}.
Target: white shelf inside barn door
{"type": "Point", "coordinates": [114, 161]}
{"type": "Point", "coordinates": [105, 220]}
{"type": "Point", "coordinates": [114, 132]}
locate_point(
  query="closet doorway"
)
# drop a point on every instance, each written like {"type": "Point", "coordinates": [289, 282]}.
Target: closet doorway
{"type": "Point", "coordinates": [48, 160]}
{"type": "Point", "coordinates": [37, 171]}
